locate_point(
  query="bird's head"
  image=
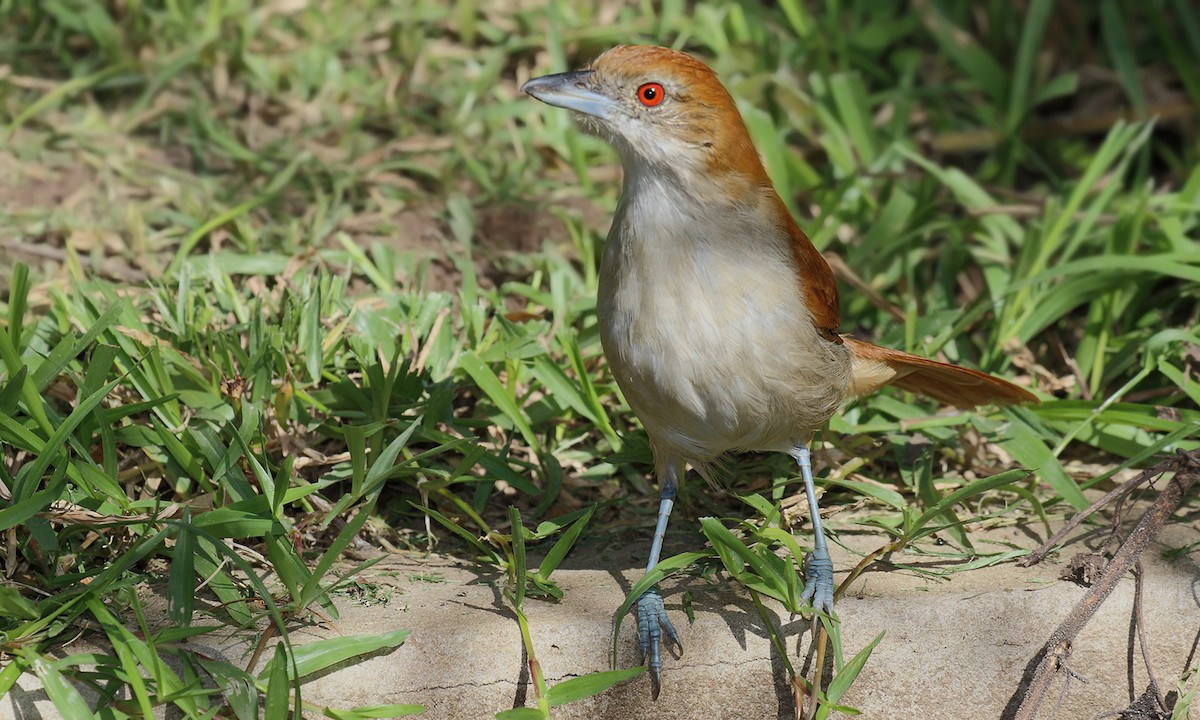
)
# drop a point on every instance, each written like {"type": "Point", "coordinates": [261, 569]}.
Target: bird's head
{"type": "Point", "coordinates": [663, 110]}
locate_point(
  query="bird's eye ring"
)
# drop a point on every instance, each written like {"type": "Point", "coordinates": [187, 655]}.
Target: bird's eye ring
{"type": "Point", "coordinates": [651, 94]}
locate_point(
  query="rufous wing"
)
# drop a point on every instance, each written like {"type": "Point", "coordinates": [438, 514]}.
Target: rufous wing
{"type": "Point", "coordinates": [874, 366]}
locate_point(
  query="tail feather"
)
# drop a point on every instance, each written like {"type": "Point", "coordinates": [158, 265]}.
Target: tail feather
{"type": "Point", "coordinates": [874, 366]}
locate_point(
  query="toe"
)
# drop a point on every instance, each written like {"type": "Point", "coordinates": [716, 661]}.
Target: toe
{"type": "Point", "coordinates": [818, 582]}
{"type": "Point", "coordinates": [654, 628]}
{"type": "Point", "coordinates": [671, 635]}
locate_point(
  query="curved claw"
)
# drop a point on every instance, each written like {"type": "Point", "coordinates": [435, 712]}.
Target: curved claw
{"type": "Point", "coordinates": [818, 581]}
{"type": "Point", "coordinates": [654, 629]}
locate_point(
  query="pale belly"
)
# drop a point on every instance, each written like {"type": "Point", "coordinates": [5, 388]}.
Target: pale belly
{"type": "Point", "coordinates": [715, 351]}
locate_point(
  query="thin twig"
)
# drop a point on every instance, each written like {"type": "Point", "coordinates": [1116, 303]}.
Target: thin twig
{"type": "Point", "coordinates": [1139, 622]}
{"type": "Point", "coordinates": [1120, 491]}
{"type": "Point", "coordinates": [818, 671]}
{"type": "Point", "coordinates": [842, 270]}
{"type": "Point", "coordinates": [981, 139]}
{"type": "Point", "coordinates": [1057, 649]}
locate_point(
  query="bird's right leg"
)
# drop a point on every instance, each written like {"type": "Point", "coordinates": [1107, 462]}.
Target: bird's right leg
{"type": "Point", "coordinates": [818, 566]}
{"type": "Point", "coordinates": [652, 620]}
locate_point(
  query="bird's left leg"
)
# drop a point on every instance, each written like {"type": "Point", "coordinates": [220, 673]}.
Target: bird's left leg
{"type": "Point", "coordinates": [818, 566]}
{"type": "Point", "coordinates": [652, 619]}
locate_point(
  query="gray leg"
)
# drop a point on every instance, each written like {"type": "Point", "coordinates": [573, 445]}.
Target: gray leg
{"type": "Point", "coordinates": [652, 618]}
{"type": "Point", "coordinates": [818, 566]}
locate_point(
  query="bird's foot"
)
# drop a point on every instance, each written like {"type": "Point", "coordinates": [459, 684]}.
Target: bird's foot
{"type": "Point", "coordinates": [655, 628]}
{"type": "Point", "coordinates": [818, 581]}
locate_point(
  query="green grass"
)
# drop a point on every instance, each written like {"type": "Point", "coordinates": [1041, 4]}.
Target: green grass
{"type": "Point", "coordinates": [264, 262]}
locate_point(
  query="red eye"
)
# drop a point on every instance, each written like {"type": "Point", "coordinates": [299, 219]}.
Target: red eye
{"type": "Point", "coordinates": [651, 94]}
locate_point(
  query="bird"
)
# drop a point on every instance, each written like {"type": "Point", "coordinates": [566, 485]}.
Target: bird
{"type": "Point", "coordinates": [719, 319]}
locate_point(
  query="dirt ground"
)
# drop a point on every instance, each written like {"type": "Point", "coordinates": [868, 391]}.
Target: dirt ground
{"type": "Point", "coordinates": [953, 647]}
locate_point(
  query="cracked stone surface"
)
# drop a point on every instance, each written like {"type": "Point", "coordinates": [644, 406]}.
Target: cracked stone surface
{"type": "Point", "coordinates": [953, 648]}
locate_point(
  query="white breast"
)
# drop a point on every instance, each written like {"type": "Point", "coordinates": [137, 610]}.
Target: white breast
{"type": "Point", "coordinates": [702, 321]}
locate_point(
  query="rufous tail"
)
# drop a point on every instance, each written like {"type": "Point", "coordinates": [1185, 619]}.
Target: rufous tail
{"type": "Point", "coordinates": [873, 367]}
